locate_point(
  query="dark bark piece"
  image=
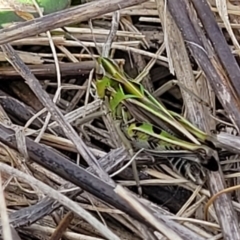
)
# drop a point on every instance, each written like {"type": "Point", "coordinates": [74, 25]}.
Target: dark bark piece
{"type": "Point", "coordinates": [51, 160]}
{"type": "Point", "coordinates": [22, 91]}
{"type": "Point", "coordinates": [219, 42]}
{"type": "Point", "coordinates": [18, 110]}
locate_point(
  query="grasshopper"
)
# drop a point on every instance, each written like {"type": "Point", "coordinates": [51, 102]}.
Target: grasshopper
{"type": "Point", "coordinates": [159, 131]}
{"type": "Point", "coordinates": [155, 128]}
{"type": "Point", "coordinates": [168, 127]}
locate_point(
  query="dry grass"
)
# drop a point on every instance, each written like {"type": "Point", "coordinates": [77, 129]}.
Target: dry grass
{"type": "Point", "coordinates": [49, 197]}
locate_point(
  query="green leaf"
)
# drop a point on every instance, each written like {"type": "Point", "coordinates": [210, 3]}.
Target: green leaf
{"type": "Point", "coordinates": [21, 10]}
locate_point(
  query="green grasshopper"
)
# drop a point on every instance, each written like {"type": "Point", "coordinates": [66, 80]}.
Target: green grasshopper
{"type": "Point", "coordinates": [168, 127]}
{"type": "Point", "coordinates": [189, 169]}
{"type": "Point", "coordinates": [168, 130]}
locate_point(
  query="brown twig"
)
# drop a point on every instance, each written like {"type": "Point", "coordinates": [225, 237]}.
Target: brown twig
{"type": "Point", "coordinates": [62, 226]}
{"type": "Point", "coordinates": [49, 70]}
{"type": "Point", "coordinates": [59, 19]}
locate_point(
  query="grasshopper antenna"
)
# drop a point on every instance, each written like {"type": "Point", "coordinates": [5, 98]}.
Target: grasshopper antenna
{"type": "Point", "coordinates": [107, 45]}
{"type": "Point", "coordinates": [112, 34]}
{"type": "Point", "coordinates": [93, 36]}
{"type": "Point", "coordinates": [68, 34]}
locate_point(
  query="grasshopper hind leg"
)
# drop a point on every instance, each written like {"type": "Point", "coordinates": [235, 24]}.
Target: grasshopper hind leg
{"type": "Point", "coordinates": [211, 164]}
{"type": "Point", "coordinates": [190, 170]}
